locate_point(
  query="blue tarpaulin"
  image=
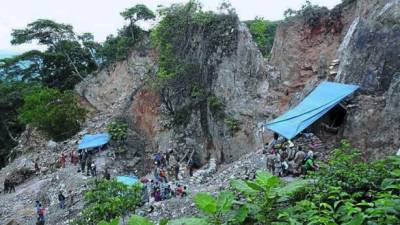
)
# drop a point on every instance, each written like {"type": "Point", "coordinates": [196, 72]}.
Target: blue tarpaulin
{"type": "Point", "coordinates": [93, 140]}
{"type": "Point", "coordinates": [313, 107]}
{"type": "Point", "coordinates": [127, 180]}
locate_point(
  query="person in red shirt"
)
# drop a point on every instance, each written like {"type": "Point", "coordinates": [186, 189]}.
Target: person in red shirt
{"type": "Point", "coordinates": [63, 158]}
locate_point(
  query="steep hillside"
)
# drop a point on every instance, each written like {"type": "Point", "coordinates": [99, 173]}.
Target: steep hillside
{"type": "Point", "coordinates": [362, 50]}
{"type": "Point", "coordinates": [238, 83]}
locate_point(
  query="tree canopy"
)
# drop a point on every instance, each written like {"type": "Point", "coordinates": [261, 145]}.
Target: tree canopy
{"type": "Point", "coordinates": [70, 54]}
{"type": "Point", "coordinates": [56, 114]}
{"type": "Point", "coordinates": [138, 12]}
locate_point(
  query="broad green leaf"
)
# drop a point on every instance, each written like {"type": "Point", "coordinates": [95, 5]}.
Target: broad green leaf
{"type": "Point", "coordinates": [138, 220]}
{"type": "Point", "coordinates": [189, 221]}
{"type": "Point", "coordinates": [241, 214]}
{"type": "Point", "coordinates": [205, 202]}
{"type": "Point", "coordinates": [267, 180]}
{"type": "Point", "coordinates": [254, 186]}
{"type": "Point", "coordinates": [291, 188]}
{"type": "Point", "coordinates": [243, 187]}
{"type": "Point", "coordinates": [396, 173]}
{"type": "Point", "coordinates": [358, 219]}
{"type": "Point", "coordinates": [326, 205]}
{"type": "Point", "coordinates": [335, 205]}
{"type": "Point", "coordinates": [225, 201]}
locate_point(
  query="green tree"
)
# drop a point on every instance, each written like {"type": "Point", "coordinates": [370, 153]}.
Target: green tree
{"type": "Point", "coordinates": [11, 98]}
{"type": "Point", "coordinates": [56, 114]}
{"type": "Point", "coordinates": [258, 28]}
{"type": "Point", "coordinates": [60, 39]}
{"type": "Point", "coordinates": [263, 33]}
{"type": "Point", "coordinates": [107, 200]}
{"type": "Point", "coordinates": [137, 13]}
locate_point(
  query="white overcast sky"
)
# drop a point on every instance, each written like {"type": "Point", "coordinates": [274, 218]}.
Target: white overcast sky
{"type": "Point", "coordinates": [101, 17]}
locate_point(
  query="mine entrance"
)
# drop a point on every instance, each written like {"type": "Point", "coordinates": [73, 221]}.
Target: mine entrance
{"type": "Point", "coordinates": [330, 126]}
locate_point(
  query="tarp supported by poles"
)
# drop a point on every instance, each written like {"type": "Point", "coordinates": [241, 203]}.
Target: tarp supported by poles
{"type": "Point", "coordinates": [93, 140]}
{"type": "Point", "coordinates": [326, 96]}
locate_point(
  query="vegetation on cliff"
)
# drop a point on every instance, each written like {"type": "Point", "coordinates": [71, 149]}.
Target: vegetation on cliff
{"type": "Point", "coordinates": [56, 114]}
{"type": "Point", "coordinates": [190, 43]}
{"type": "Point", "coordinates": [317, 17]}
{"type": "Point", "coordinates": [263, 33]}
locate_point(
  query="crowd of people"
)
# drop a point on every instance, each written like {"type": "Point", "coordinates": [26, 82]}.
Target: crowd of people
{"type": "Point", "coordinates": [161, 187]}
{"type": "Point", "coordinates": [284, 158]}
{"type": "Point", "coordinates": [9, 186]}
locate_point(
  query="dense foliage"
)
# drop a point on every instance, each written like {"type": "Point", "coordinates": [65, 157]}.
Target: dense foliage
{"type": "Point", "coordinates": [67, 59]}
{"type": "Point", "coordinates": [310, 13]}
{"type": "Point", "coordinates": [11, 98]}
{"type": "Point", "coordinates": [56, 114]}
{"type": "Point", "coordinates": [263, 33]}
{"type": "Point", "coordinates": [117, 48]}
{"type": "Point", "coordinates": [350, 191]}
{"type": "Point", "coordinates": [119, 133]}
{"type": "Point", "coordinates": [320, 19]}
{"type": "Point", "coordinates": [106, 200]}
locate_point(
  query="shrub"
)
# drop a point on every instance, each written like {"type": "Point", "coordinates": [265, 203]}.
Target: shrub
{"type": "Point", "coordinates": [232, 123]}
{"type": "Point", "coordinates": [107, 200]}
{"type": "Point", "coordinates": [350, 191]}
{"type": "Point", "coordinates": [118, 130]}
{"type": "Point", "coordinates": [56, 114]}
{"type": "Point", "coordinates": [263, 33]}
{"type": "Point", "coordinates": [311, 14]}
{"type": "Point", "coordinates": [216, 107]}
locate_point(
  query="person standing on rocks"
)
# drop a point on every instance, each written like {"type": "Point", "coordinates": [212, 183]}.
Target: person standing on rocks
{"type": "Point", "coordinates": [88, 165]}
{"type": "Point", "coordinates": [74, 158]}
{"type": "Point", "coordinates": [190, 167]}
{"type": "Point", "coordinates": [168, 155]}
{"type": "Point", "coordinates": [93, 169]}
{"type": "Point", "coordinates": [107, 174]}
{"type": "Point", "coordinates": [176, 170]}
{"type": "Point", "coordinates": [63, 159]}
{"type": "Point", "coordinates": [37, 168]}
{"type": "Point", "coordinates": [6, 186]}
{"type": "Point", "coordinates": [41, 212]}
{"type": "Point", "coordinates": [82, 159]}
{"type": "Point", "coordinates": [61, 198]}
{"type": "Point", "coordinates": [70, 197]}
{"type": "Point", "coordinates": [11, 186]}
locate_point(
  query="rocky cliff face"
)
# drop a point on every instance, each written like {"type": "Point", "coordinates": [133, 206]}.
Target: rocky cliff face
{"type": "Point", "coordinates": [239, 82]}
{"type": "Point", "coordinates": [365, 53]}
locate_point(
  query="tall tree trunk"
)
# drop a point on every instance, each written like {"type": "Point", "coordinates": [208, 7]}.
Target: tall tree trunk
{"type": "Point", "coordinates": [70, 61]}
{"type": "Point", "coordinates": [131, 28]}
{"type": "Point", "coordinates": [73, 65]}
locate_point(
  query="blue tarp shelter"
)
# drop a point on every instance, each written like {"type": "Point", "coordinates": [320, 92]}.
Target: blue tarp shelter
{"type": "Point", "coordinates": [94, 140]}
{"type": "Point", "coordinates": [326, 96]}
{"type": "Point", "coordinates": [128, 180]}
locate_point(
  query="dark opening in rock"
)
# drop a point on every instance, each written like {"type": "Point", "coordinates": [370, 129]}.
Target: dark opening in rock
{"type": "Point", "coordinates": [330, 123]}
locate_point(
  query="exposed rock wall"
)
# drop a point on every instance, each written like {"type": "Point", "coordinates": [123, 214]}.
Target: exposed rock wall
{"type": "Point", "coordinates": [366, 53]}
{"type": "Point", "coordinates": [239, 82]}
{"type": "Point", "coordinates": [370, 58]}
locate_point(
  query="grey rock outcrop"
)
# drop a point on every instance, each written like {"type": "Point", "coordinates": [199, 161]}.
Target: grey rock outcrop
{"type": "Point", "coordinates": [365, 53]}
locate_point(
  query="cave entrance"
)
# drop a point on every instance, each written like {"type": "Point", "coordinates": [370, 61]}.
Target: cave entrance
{"type": "Point", "coordinates": [331, 124]}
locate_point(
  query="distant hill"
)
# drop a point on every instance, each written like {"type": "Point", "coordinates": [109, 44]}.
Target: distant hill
{"type": "Point", "coordinates": [6, 54]}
